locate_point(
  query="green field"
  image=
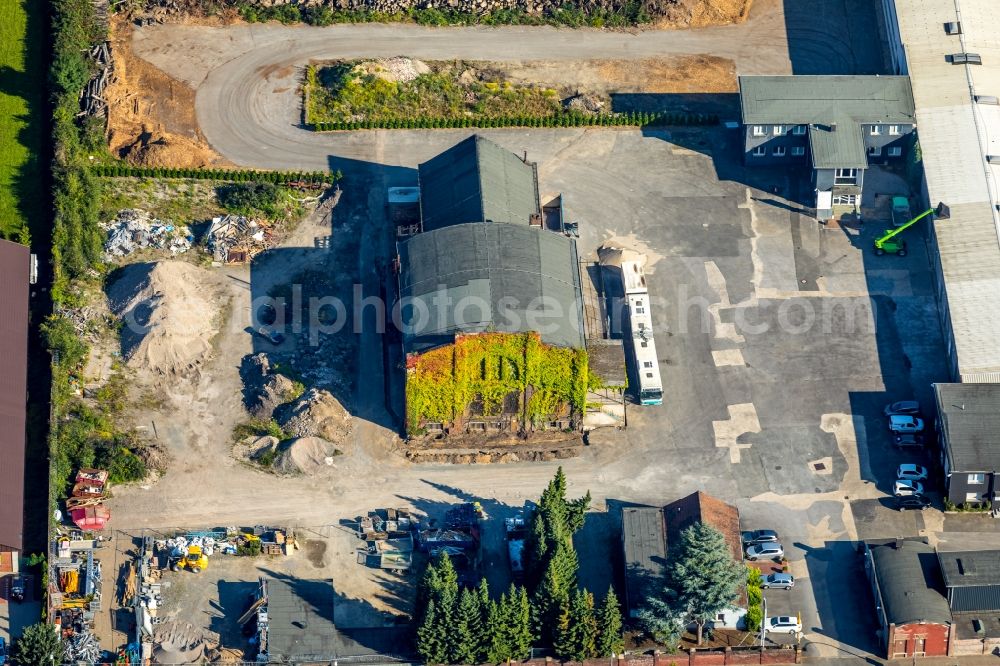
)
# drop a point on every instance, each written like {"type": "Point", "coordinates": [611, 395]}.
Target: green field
{"type": "Point", "coordinates": [22, 127]}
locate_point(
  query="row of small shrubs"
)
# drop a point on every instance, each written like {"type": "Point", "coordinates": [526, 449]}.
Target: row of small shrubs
{"type": "Point", "coordinates": [239, 176]}
{"type": "Point", "coordinates": [632, 119]}
{"type": "Point", "coordinates": [631, 13]}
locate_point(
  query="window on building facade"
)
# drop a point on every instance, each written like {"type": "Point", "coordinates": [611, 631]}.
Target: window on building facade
{"type": "Point", "coordinates": [971, 497]}
{"type": "Point", "coordinates": [798, 151]}
{"type": "Point", "coordinates": [778, 130]}
{"type": "Point", "coordinates": [759, 151]}
{"type": "Point", "coordinates": [874, 151]}
{"type": "Point", "coordinates": [759, 130]}
{"type": "Point", "coordinates": [875, 130]}
{"type": "Point", "coordinates": [895, 151]}
{"type": "Point", "coordinates": [977, 479]}
{"type": "Point", "coordinates": [845, 177]}
{"type": "Point", "coordinates": [647, 364]}
{"type": "Point", "coordinates": [779, 151]}
{"type": "Point", "coordinates": [845, 199]}
{"type": "Point", "coordinates": [799, 130]}
{"type": "Point", "coordinates": [894, 130]}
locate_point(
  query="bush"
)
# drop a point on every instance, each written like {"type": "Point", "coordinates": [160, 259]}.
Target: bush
{"type": "Point", "coordinates": [250, 198]}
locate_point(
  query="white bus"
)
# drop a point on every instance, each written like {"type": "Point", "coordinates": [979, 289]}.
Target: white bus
{"type": "Point", "coordinates": [640, 322]}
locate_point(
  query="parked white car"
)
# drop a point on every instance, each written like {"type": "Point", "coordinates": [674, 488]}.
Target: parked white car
{"type": "Point", "coordinates": [905, 488]}
{"type": "Point", "coordinates": [911, 472]}
{"type": "Point", "coordinates": [783, 624]}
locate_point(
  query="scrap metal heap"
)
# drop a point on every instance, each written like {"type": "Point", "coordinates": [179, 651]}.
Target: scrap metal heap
{"type": "Point", "coordinates": [75, 594]}
{"type": "Point", "coordinates": [134, 229]}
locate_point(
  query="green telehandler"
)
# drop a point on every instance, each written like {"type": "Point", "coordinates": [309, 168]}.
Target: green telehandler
{"type": "Point", "coordinates": [890, 243]}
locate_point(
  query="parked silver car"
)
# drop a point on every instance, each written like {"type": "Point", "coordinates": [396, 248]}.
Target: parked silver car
{"type": "Point", "coordinates": [781, 581]}
{"type": "Point", "coordinates": [903, 488]}
{"type": "Point", "coordinates": [765, 551]}
{"type": "Point", "coordinates": [911, 472]}
{"type": "Point", "coordinates": [784, 624]}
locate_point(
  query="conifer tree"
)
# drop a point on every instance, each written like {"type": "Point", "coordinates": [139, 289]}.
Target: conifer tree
{"type": "Point", "coordinates": [431, 643]}
{"type": "Point", "coordinates": [468, 629]}
{"type": "Point", "coordinates": [521, 634]}
{"type": "Point", "coordinates": [583, 625]}
{"type": "Point", "coordinates": [562, 635]}
{"type": "Point", "coordinates": [609, 626]}
{"type": "Point", "coordinates": [497, 635]}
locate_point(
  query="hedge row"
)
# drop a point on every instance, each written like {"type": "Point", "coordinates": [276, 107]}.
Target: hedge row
{"type": "Point", "coordinates": [634, 119]}
{"type": "Point", "coordinates": [243, 175]}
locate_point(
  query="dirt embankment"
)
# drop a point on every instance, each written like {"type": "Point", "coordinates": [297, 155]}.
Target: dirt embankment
{"type": "Point", "coordinates": [151, 118]}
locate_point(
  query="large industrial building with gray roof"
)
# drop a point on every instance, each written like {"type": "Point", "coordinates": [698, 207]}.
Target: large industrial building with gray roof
{"type": "Point", "coordinates": [485, 260]}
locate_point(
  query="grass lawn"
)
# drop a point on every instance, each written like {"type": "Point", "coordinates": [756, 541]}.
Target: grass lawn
{"type": "Point", "coordinates": [23, 133]}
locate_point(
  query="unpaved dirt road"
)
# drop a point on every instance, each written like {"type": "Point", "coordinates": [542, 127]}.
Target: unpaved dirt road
{"type": "Point", "coordinates": [247, 76]}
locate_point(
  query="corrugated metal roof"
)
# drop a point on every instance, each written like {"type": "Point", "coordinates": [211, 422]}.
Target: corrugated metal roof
{"type": "Point", "coordinates": [982, 598]}
{"type": "Point", "coordinates": [837, 147]}
{"type": "Point", "coordinates": [804, 100]}
{"type": "Point", "coordinates": [955, 136]}
{"type": "Point", "coordinates": [645, 548]}
{"type": "Point", "coordinates": [500, 277]}
{"type": "Point", "coordinates": [910, 582]}
{"type": "Point", "coordinates": [474, 181]}
{"type": "Point", "coordinates": [14, 268]}
{"type": "Point", "coordinates": [969, 420]}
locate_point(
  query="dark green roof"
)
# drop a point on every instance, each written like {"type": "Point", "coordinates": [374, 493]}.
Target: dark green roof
{"type": "Point", "coordinates": [909, 582]}
{"type": "Point", "coordinates": [498, 273]}
{"type": "Point", "coordinates": [837, 148]}
{"type": "Point", "coordinates": [824, 100]}
{"type": "Point", "coordinates": [475, 181]}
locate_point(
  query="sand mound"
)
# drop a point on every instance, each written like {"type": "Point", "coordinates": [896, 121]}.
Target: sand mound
{"type": "Point", "coordinates": [394, 70]}
{"type": "Point", "coordinates": [305, 455]}
{"type": "Point", "coordinates": [169, 310]}
{"type": "Point", "coordinates": [316, 414]}
{"type": "Point", "coordinates": [178, 643]}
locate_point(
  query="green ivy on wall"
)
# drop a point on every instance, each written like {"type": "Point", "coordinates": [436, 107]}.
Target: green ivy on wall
{"type": "Point", "coordinates": [444, 382]}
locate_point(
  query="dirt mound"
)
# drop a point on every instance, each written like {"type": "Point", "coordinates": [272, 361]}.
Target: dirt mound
{"type": "Point", "coordinates": [151, 120]}
{"type": "Point", "coordinates": [316, 414]}
{"type": "Point", "coordinates": [263, 392]}
{"type": "Point", "coordinates": [178, 643]}
{"type": "Point", "coordinates": [305, 455]}
{"type": "Point", "coordinates": [394, 70]}
{"type": "Point", "coordinates": [702, 13]}
{"type": "Point", "coordinates": [169, 310]}
{"type": "Point", "coordinates": [164, 149]}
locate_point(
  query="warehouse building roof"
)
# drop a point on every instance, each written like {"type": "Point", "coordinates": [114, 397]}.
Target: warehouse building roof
{"type": "Point", "coordinates": [959, 123]}
{"type": "Point", "coordinates": [470, 278]}
{"type": "Point", "coordinates": [909, 582]}
{"type": "Point", "coordinates": [477, 181]}
{"type": "Point", "coordinates": [969, 420]}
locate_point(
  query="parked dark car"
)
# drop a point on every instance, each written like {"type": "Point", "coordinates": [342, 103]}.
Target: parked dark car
{"type": "Point", "coordinates": [909, 441]}
{"type": "Point", "coordinates": [912, 503]}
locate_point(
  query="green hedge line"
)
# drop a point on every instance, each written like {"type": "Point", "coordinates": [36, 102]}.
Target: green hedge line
{"type": "Point", "coordinates": [240, 176]}
{"type": "Point", "coordinates": [637, 119]}
{"type": "Point", "coordinates": [629, 14]}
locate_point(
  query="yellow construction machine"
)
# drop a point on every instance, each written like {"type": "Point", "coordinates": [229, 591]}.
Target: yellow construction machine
{"type": "Point", "coordinates": [195, 561]}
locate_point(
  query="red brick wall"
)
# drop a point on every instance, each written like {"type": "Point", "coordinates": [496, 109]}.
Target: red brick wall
{"type": "Point", "coordinates": [935, 638]}
{"type": "Point", "coordinates": [704, 657]}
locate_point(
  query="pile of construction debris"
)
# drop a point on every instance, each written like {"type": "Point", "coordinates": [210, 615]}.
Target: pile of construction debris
{"type": "Point", "coordinates": [235, 239]}
{"type": "Point", "coordinates": [134, 229]}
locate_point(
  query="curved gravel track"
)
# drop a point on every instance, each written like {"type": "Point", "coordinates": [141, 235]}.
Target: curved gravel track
{"type": "Point", "coordinates": [246, 76]}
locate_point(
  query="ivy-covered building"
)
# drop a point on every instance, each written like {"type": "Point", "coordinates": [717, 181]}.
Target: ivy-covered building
{"type": "Point", "coordinates": [490, 302]}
